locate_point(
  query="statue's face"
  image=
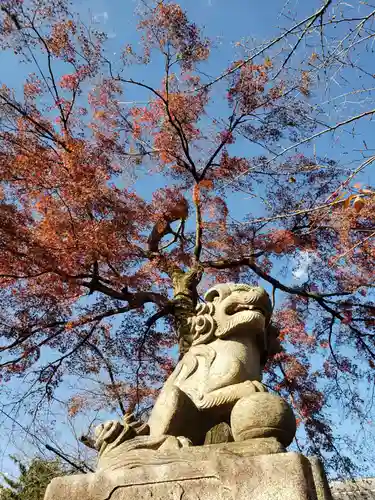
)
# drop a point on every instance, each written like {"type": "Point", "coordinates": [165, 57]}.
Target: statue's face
{"type": "Point", "coordinates": [242, 311]}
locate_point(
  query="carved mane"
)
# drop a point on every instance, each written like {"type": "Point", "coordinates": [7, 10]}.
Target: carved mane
{"type": "Point", "coordinates": [203, 325]}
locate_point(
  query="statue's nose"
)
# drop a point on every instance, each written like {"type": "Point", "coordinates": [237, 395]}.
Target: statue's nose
{"type": "Point", "coordinates": [258, 292]}
{"type": "Point", "coordinates": [262, 298]}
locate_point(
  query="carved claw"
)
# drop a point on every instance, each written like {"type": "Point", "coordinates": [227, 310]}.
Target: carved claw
{"type": "Point", "coordinates": [112, 433]}
{"type": "Point", "coordinates": [140, 428]}
{"type": "Point", "coordinates": [227, 395]}
{"type": "Point", "coordinates": [106, 434]}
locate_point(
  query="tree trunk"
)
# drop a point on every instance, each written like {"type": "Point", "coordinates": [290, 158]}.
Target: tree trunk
{"type": "Point", "coordinates": [185, 300]}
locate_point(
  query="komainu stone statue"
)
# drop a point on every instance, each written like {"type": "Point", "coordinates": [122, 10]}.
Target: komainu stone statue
{"type": "Point", "coordinates": [217, 384]}
{"type": "Point", "coordinates": [218, 380]}
{"type": "Point", "coordinates": [223, 365]}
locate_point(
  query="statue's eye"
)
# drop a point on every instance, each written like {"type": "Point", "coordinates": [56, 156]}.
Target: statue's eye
{"type": "Point", "coordinates": [231, 309]}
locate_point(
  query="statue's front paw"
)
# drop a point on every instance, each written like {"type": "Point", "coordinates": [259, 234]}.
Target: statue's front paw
{"type": "Point", "coordinates": [258, 386]}
{"type": "Point", "coordinates": [107, 433]}
{"type": "Point", "coordinates": [137, 426]}
{"type": "Point", "coordinates": [112, 433]}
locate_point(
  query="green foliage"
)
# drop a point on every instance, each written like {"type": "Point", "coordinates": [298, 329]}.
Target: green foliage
{"type": "Point", "coordinates": [32, 481]}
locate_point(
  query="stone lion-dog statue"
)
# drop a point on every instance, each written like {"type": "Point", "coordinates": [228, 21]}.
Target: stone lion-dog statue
{"type": "Point", "coordinates": [217, 380]}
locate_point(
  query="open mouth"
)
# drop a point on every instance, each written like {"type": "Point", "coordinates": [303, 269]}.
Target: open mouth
{"type": "Point", "coordinates": [236, 308]}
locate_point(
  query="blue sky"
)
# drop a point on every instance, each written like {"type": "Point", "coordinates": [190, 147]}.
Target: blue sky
{"type": "Point", "coordinates": [226, 23]}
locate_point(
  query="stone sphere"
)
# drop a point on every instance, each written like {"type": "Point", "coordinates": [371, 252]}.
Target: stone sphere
{"type": "Point", "coordinates": [263, 415]}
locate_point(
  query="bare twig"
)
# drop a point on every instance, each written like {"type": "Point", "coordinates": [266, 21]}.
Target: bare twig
{"type": "Point", "coordinates": [308, 139]}
{"type": "Point", "coordinates": [276, 40]}
{"type": "Point", "coordinates": [353, 248]}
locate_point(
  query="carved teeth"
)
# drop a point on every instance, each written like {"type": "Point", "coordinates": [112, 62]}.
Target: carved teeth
{"type": "Point", "coordinates": [247, 307]}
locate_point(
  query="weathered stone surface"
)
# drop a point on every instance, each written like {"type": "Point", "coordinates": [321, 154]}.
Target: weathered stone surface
{"type": "Point", "coordinates": [220, 433]}
{"type": "Point", "coordinates": [263, 415]}
{"type": "Point", "coordinates": [359, 489]}
{"type": "Point", "coordinates": [133, 453]}
{"type": "Point", "coordinates": [283, 476]}
{"type": "Point", "coordinates": [322, 488]}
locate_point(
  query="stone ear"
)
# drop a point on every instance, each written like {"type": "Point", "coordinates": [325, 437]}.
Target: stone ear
{"type": "Point", "coordinates": [220, 291]}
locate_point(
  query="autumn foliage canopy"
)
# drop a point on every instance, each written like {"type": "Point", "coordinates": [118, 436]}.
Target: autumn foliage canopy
{"type": "Point", "coordinates": [117, 213]}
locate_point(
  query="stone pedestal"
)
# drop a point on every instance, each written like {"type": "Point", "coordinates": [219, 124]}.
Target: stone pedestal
{"type": "Point", "coordinates": [227, 474]}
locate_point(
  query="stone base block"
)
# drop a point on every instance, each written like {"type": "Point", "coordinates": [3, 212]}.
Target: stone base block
{"type": "Point", "coordinates": [280, 476]}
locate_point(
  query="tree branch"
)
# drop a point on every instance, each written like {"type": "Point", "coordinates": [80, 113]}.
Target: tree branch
{"type": "Point", "coordinates": [149, 323]}
{"type": "Point", "coordinates": [308, 139]}
{"type": "Point", "coordinates": [313, 17]}
{"type": "Point", "coordinates": [110, 373]}
{"type": "Point", "coordinates": [198, 230]}
{"type": "Point", "coordinates": [42, 129]}
{"type": "Point", "coordinates": [232, 126]}
{"type": "Point", "coordinates": [135, 300]}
